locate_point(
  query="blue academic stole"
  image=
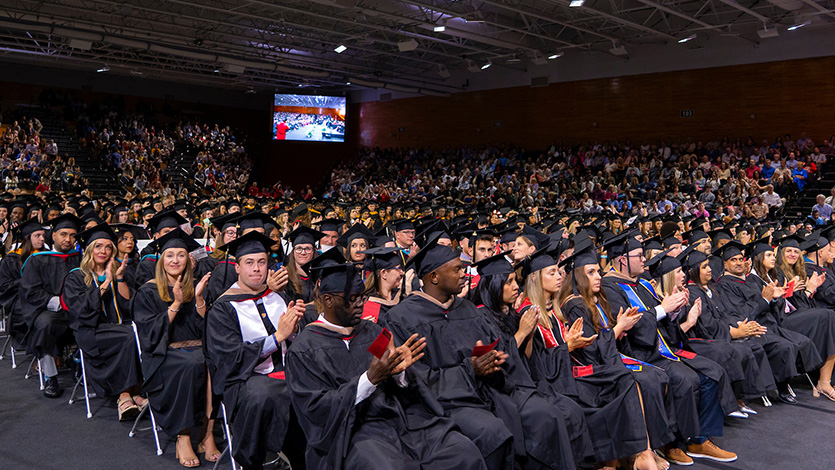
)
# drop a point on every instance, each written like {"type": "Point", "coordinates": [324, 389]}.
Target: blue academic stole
{"type": "Point", "coordinates": [630, 362]}
{"type": "Point", "coordinates": [636, 301]}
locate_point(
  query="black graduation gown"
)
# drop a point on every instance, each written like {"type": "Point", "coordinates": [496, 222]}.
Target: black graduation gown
{"type": "Point", "coordinates": [785, 348]}
{"type": "Point", "coordinates": [101, 325]}
{"type": "Point", "coordinates": [745, 362]}
{"type": "Point", "coordinates": [9, 289]}
{"type": "Point", "coordinates": [205, 265]}
{"type": "Point", "coordinates": [130, 271]}
{"type": "Point", "coordinates": [394, 427]}
{"type": "Point", "coordinates": [538, 427]}
{"type": "Point", "coordinates": [603, 355]}
{"type": "Point", "coordinates": [801, 315]}
{"type": "Point", "coordinates": [717, 267]}
{"type": "Point", "coordinates": [608, 396]}
{"type": "Point", "coordinates": [825, 294]}
{"type": "Point", "coordinates": [223, 276]}
{"type": "Point", "coordinates": [175, 378]}
{"type": "Point", "coordinates": [306, 294]}
{"type": "Point", "coordinates": [42, 277]}
{"type": "Point", "coordinates": [520, 373]}
{"type": "Point", "coordinates": [145, 270]}
{"type": "Point", "coordinates": [259, 404]}
{"type": "Point", "coordinates": [642, 342]}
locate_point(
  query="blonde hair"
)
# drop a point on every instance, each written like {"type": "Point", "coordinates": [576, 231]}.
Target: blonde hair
{"type": "Point", "coordinates": [87, 262]}
{"type": "Point", "coordinates": [537, 296]}
{"type": "Point", "coordinates": [668, 283]}
{"type": "Point", "coordinates": [187, 283]}
{"type": "Point", "coordinates": [790, 271]}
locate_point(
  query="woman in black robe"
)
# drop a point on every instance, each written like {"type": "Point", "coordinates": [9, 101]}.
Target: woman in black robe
{"type": "Point", "coordinates": [126, 250]}
{"type": "Point", "coordinates": [800, 312]}
{"type": "Point", "coordinates": [169, 312]}
{"type": "Point", "coordinates": [713, 326]}
{"type": "Point", "coordinates": [609, 398]}
{"type": "Point", "coordinates": [304, 250]}
{"type": "Point", "coordinates": [98, 300]}
{"type": "Point", "coordinates": [383, 269]}
{"type": "Point", "coordinates": [30, 236]}
{"type": "Point", "coordinates": [670, 276]}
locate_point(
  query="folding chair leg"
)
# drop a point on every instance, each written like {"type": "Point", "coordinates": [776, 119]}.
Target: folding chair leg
{"type": "Point", "coordinates": [84, 379]}
{"type": "Point", "coordinates": [13, 353]}
{"type": "Point", "coordinates": [228, 435]}
{"type": "Point", "coordinates": [74, 390]}
{"type": "Point", "coordinates": [136, 421]}
{"type": "Point", "coordinates": [154, 428]}
{"type": "Point", "coordinates": [6, 345]}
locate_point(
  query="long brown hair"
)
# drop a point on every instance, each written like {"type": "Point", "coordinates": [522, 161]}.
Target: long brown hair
{"type": "Point", "coordinates": [790, 271]}
{"type": "Point", "coordinates": [293, 272]}
{"type": "Point", "coordinates": [537, 297]}
{"type": "Point", "coordinates": [587, 296]}
{"type": "Point", "coordinates": [759, 268]}
{"type": "Point", "coordinates": [187, 283]}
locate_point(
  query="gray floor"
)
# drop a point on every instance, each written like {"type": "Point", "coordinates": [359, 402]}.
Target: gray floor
{"type": "Point", "coordinates": [38, 433]}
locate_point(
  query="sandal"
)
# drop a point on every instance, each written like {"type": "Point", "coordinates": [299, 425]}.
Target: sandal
{"type": "Point", "coordinates": [188, 463]}
{"type": "Point", "coordinates": [214, 457]}
{"type": "Point", "coordinates": [140, 401]}
{"type": "Point", "coordinates": [127, 409]}
{"type": "Point", "coordinates": [818, 391]}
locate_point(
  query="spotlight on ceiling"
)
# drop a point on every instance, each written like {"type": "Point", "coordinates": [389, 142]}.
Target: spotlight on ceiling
{"type": "Point", "coordinates": [514, 60]}
{"type": "Point", "coordinates": [340, 49]}
{"type": "Point", "coordinates": [688, 38]}
{"type": "Point", "coordinates": [439, 29]}
{"type": "Point", "coordinates": [798, 26]}
{"type": "Point", "coordinates": [103, 69]}
{"type": "Point", "coordinates": [555, 56]}
{"type": "Point", "coordinates": [406, 46]}
{"type": "Point", "coordinates": [576, 3]}
{"type": "Point", "coordinates": [618, 50]}
{"type": "Point", "coordinates": [487, 65]}
{"type": "Point", "coordinates": [767, 33]}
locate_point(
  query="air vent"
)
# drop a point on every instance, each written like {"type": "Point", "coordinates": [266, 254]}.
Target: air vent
{"type": "Point", "coordinates": [537, 82]}
{"type": "Point", "coordinates": [385, 96]}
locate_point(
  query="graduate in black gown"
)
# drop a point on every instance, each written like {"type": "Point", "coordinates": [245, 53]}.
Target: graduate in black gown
{"type": "Point", "coordinates": [359, 411]}
{"type": "Point", "coordinates": [748, 304]}
{"type": "Point", "coordinates": [97, 297]}
{"type": "Point", "coordinates": [751, 377]}
{"type": "Point", "coordinates": [225, 230]}
{"type": "Point", "coordinates": [30, 238]}
{"type": "Point", "coordinates": [383, 269]}
{"type": "Point", "coordinates": [126, 252]}
{"type": "Point", "coordinates": [355, 241]}
{"type": "Point", "coordinates": [670, 277]}
{"type": "Point", "coordinates": [609, 397]}
{"type": "Point", "coordinates": [169, 312]}
{"type": "Point", "coordinates": [501, 418]}
{"type": "Point", "coordinates": [42, 276]}
{"type": "Point", "coordinates": [800, 312]}
{"type": "Point", "coordinates": [700, 388]}
{"type": "Point", "coordinates": [161, 224]}
{"type": "Point", "coordinates": [304, 249]}
{"type": "Point", "coordinates": [248, 331]}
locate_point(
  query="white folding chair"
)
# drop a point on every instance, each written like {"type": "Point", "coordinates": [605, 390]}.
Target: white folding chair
{"type": "Point", "coordinates": [82, 379]}
{"type": "Point", "coordinates": [31, 368]}
{"type": "Point", "coordinates": [148, 405]}
{"type": "Point", "coordinates": [228, 434]}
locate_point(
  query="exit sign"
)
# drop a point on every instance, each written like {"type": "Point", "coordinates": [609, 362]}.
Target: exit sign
{"type": "Point", "coordinates": [686, 113]}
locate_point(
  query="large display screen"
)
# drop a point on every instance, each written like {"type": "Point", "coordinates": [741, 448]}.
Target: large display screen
{"type": "Point", "coordinates": [309, 118]}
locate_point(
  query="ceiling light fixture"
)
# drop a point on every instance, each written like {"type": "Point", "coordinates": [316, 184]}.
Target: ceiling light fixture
{"type": "Point", "coordinates": [439, 29]}
{"type": "Point", "coordinates": [555, 56]}
{"type": "Point", "coordinates": [688, 38]}
{"type": "Point", "coordinates": [577, 3]}
{"type": "Point", "coordinates": [340, 49]}
{"type": "Point", "coordinates": [103, 69]}
{"type": "Point", "coordinates": [799, 25]}
{"type": "Point", "coordinates": [487, 65]}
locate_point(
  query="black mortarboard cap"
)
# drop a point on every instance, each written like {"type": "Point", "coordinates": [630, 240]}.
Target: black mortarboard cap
{"type": "Point", "coordinates": [253, 220]}
{"type": "Point", "coordinates": [358, 230]}
{"type": "Point", "coordinates": [493, 265]}
{"type": "Point", "coordinates": [729, 250]}
{"type": "Point", "coordinates": [402, 224]}
{"type": "Point", "coordinates": [305, 236]}
{"type": "Point", "coordinates": [385, 257]}
{"type": "Point", "coordinates": [331, 225]}
{"type": "Point", "coordinates": [166, 219]}
{"type": "Point", "coordinates": [662, 264]}
{"type": "Point", "coordinates": [431, 257]}
{"type": "Point", "coordinates": [65, 221]}
{"type": "Point", "coordinates": [96, 233]}
{"type": "Point", "coordinates": [536, 262]}
{"type": "Point", "coordinates": [176, 238]}
{"type": "Point", "coordinates": [252, 242]}
{"type": "Point", "coordinates": [28, 228]}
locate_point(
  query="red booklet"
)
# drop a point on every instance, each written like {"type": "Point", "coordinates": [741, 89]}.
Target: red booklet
{"type": "Point", "coordinates": [479, 351]}
{"type": "Point", "coordinates": [685, 354]}
{"type": "Point", "coordinates": [379, 346]}
{"type": "Point", "coordinates": [277, 375]}
{"type": "Point", "coordinates": [789, 289]}
{"type": "Point", "coordinates": [582, 371]}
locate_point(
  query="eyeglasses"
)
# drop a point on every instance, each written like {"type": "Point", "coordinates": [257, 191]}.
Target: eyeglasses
{"type": "Point", "coordinates": [354, 299]}
{"type": "Point", "coordinates": [231, 232]}
{"type": "Point", "coordinates": [303, 249]}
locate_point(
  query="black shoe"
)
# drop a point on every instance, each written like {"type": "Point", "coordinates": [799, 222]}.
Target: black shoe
{"type": "Point", "coordinates": [787, 398]}
{"type": "Point", "coordinates": [51, 389]}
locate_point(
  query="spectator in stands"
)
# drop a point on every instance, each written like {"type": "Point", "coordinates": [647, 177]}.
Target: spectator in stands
{"type": "Point", "coordinates": [824, 210]}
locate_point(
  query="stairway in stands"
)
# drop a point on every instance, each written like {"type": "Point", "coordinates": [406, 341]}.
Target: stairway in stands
{"type": "Point", "coordinates": [100, 181]}
{"type": "Point", "coordinates": [179, 167]}
{"type": "Point", "coordinates": [801, 205]}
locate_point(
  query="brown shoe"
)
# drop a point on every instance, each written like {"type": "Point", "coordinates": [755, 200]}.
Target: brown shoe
{"type": "Point", "coordinates": [675, 455]}
{"type": "Point", "coordinates": [709, 450]}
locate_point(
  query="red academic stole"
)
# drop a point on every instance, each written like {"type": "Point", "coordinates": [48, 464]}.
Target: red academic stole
{"type": "Point", "coordinates": [371, 311]}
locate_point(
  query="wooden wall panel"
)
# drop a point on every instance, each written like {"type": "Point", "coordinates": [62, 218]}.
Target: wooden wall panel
{"type": "Point", "coordinates": [783, 97]}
